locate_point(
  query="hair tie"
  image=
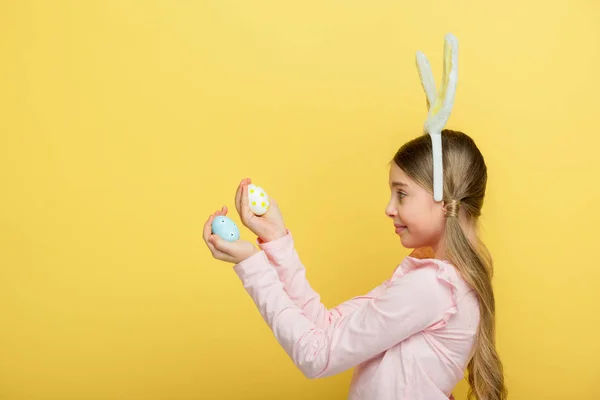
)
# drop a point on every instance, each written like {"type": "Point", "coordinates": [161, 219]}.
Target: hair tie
{"type": "Point", "coordinates": [452, 208]}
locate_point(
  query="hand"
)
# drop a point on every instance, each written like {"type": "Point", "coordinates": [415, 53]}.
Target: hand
{"type": "Point", "coordinates": [221, 249]}
{"type": "Point", "coordinates": [268, 226]}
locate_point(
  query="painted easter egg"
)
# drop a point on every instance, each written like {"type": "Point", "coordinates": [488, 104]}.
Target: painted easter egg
{"type": "Point", "coordinates": [257, 199]}
{"type": "Point", "coordinates": [225, 228]}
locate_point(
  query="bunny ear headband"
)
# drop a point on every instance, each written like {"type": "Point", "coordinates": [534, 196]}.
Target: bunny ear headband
{"type": "Point", "coordinates": [439, 104]}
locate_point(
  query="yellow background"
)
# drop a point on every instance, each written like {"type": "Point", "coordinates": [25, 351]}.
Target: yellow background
{"type": "Point", "coordinates": [124, 124]}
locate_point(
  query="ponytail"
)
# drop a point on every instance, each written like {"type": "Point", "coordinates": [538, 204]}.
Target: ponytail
{"type": "Point", "coordinates": [485, 372]}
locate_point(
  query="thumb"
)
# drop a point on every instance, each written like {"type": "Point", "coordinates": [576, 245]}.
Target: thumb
{"type": "Point", "coordinates": [274, 203]}
{"type": "Point", "coordinates": [221, 244]}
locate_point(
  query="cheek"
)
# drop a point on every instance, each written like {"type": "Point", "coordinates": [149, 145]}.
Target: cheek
{"type": "Point", "coordinates": [412, 215]}
{"type": "Point", "coordinates": [423, 227]}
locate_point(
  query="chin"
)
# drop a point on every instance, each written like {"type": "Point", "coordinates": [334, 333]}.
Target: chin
{"type": "Point", "coordinates": [410, 243]}
{"type": "Point", "coordinates": [406, 243]}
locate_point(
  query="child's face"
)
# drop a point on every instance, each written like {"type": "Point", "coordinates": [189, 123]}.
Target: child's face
{"type": "Point", "coordinates": [418, 219]}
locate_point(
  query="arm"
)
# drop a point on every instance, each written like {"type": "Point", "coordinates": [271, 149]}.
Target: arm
{"type": "Point", "coordinates": [406, 306]}
{"type": "Point", "coordinates": [283, 256]}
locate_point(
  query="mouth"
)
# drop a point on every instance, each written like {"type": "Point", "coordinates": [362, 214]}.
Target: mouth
{"type": "Point", "coordinates": [400, 228]}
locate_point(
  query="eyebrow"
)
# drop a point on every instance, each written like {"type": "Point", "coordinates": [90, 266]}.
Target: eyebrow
{"type": "Point", "coordinates": [399, 184]}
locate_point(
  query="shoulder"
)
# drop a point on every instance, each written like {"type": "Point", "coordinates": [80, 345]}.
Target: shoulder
{"type": "Point", "coordinates": [432, 276]}
{"type": "Point", "coordinates": [432, 270]}
{"type": "Point", "coordinates": [422, 278]}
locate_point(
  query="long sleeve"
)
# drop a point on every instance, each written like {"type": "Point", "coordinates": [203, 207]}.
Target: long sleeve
{"type": "Point", "coordinates": [409, 304]}
{"type": "Point", "coordinates": [283, 256]}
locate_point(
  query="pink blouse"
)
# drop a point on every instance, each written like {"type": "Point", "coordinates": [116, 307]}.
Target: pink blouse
{"type": "Point", "coordinates": [409, 338]}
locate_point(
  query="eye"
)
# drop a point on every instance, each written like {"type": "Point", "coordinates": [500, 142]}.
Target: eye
{"type": "Point", "coordinates": [401, 195]}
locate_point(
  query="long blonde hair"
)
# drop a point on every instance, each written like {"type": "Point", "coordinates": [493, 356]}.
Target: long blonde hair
{"type": "Point", "coordinates": [465, 179]}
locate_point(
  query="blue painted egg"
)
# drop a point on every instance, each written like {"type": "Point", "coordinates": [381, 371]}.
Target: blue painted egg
{"type": "Point", "coordinates": [225, 228]}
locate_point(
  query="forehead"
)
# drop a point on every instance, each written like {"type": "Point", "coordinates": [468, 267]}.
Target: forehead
{"type": "Point", "coordinates": [399, 177]}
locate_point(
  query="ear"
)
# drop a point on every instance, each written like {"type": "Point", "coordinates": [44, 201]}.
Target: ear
{"type": "Point", "coordinates": [443, 207]}
{"type": "Point", "coordinates": [443, 204]}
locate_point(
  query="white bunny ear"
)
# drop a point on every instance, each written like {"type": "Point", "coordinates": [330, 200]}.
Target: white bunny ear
{"type": "Point", "coordinates": [441, 108]}
{"type": "Point", "coordinates": [440, 105]}
{"type": "Point", "coordinates": [426, 76]}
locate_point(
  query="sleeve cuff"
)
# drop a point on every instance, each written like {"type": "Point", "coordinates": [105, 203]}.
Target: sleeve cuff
{"type": "Point", "coordinates": [248, 267]}
{"type": "Point", "coordinates": [277, 244]}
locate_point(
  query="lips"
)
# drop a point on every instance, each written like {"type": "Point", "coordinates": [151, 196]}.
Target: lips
{"type": "Point", "coordinates": [399, 228]}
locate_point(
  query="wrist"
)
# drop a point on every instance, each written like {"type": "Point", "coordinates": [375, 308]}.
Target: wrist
{"type": "Point", "coordinates": [247, 256]}
{"type": "Point", "coordinates": [273, 236]}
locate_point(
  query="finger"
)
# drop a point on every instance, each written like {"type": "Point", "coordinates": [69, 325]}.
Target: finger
{"type": "Point", "coordinates": [223, 247]}
{"type": "Point", "coordinates": [216, 253]}
{"type": "Point", "coordinates": [211, 247]}
{"type": "Point", "coordinates": [245, 207]}
{"type": "Point", "coordinates": [273, 206]}
{"type": "Point", "coordinates": [207, 230]}
{"type": "Point", "coordinates": [206, 235]}
{"type": "Point", "coordinates": [222, 211]}
{"type": "Point", "coordinates": [221, 244]}
{"type": "Point", "coordinates": [238, 197]}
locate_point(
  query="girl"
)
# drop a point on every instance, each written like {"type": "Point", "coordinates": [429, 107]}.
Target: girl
{"type": "Point", "coordinates": [413, 336]}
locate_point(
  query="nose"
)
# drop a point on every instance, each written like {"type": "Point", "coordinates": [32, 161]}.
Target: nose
{"type": "Point", "coordinates": [390, 211]}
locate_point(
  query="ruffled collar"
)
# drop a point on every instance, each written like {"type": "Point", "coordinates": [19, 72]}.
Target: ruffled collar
{"type": "Point", "coordinates": [409, 263]}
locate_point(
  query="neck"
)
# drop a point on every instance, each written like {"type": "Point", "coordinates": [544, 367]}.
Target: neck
{"type": "Point", "coordinates": [470, 232]}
